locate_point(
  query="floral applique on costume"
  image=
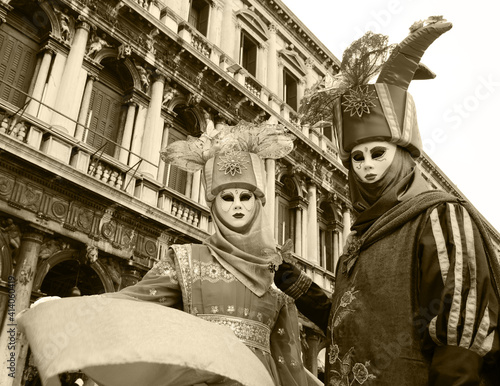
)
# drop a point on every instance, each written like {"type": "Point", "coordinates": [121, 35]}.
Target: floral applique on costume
{"type": "Point", "coordinates": [343, 372]}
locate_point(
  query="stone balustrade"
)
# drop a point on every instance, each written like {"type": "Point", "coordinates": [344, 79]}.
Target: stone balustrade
{"type": "Point", "coordinates": [108, 170]}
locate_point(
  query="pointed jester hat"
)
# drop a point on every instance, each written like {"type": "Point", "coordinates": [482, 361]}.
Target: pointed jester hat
{"type": "Point", "coordinates": [383, 111]}
{"type": "Point", "coordinates": [231, 156]}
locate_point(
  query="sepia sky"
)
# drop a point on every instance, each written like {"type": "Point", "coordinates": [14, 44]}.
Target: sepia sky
{"type": "Point", "coordinates": [456, 110]}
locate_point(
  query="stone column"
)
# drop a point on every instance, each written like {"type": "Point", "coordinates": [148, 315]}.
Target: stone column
{"type": "Point", "coordinates": [272, 61]}
{"type": "Point", "coordinates": [214, 24]}
{"type": "Point", "coordinates": [162, 167]}
{"type": "Point", "coordinates": [312, 224]}
{"type": "Point", "coordinates": [228, 30]}
{"type": "Point", "coordinates": [50, 92]}
{"type": "Point", "coordinates": [195, 189]}
{"type": "Point", "coordinates": [82, 125]}
{"type": "Point", "coordinates": [151, 142]}
{"type": "Point", "coordinates": [311, 354]}
{"type": "Point", "coordinates": [138, 135]}
{"type": "Point", "coordinates": [13, 344]}
{"type": "Point", "coordinates": [262, 64]}
{"type": "Point", "coordinates": [41, 79]}
{"type": "Point", "coordinates": [346, 220]}
{"type": "Point", "coordinates": [271, 191]}
{"type": "Point", "coordinates": [298, 231]}
{"type": "Point", "coordinates": [237, 45]}
{"type": "Point", "coordinates": [184, 8]}
{"type": "Point", "coordinates": [66, 96]}
{"type": "Point", "coordinates": [127, 132]}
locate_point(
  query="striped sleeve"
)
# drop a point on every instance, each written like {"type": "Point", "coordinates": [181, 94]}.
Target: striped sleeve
{"type": "Point", "coordinates": [456, 295]}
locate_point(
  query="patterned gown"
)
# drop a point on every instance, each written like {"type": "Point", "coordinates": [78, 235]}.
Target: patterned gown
{"type": "Point", "coordinates": [189, 278]}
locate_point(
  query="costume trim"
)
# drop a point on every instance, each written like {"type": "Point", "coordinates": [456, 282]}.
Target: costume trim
{"type": "Point", "coordinates": [182, 253]}
{"type": "Point", "coordinates": [250, 332]}
{"type": "Point", "coordinates": [388, 109]}
{"type": "Point", "coordinates": [300, 286]}
{"type": "Point", "coordinates": [458, 273]}
{"type": "Point", "coordinates": [437, 232]}
{"type": "Point", "coordinates": [471, 305]}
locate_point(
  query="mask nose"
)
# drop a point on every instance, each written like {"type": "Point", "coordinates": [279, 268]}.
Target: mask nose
{"type": "Point", "coordinates": [368, 165]}
{"type": "Point", "coordinates": [237, 203]}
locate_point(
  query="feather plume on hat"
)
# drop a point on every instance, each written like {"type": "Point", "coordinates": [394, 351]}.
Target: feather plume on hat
{"type": "Point", "coordinates": [265, 140]}
{"type": "Point", "coordinates": [231, 155]}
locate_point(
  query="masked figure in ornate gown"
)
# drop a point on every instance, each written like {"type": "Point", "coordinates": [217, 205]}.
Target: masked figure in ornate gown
{"type": "Point", "coordinates": [227, 279]}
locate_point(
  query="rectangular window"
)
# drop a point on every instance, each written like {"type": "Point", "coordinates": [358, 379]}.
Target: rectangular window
{"type": "Point", "coordinates": [290, 89]}
{"type": "Point", "coordinates": [248, 55]}
{"type": "Point", "coordinates": [198, 16]}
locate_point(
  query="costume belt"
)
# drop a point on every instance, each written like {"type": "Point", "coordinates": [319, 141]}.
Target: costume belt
{"type": "Point", "coordinates": [252, 333]}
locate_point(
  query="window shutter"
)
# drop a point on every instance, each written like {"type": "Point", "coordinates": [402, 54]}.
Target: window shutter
{"type": "Point", "coordinates": [18, 61]}
{"type": "Point", "coordinates": [193, 17]}
{"type": "Point", "coordinates": [105, 117]}
{"type": "Point", "coordinates": [177, 178]}
{"type": "Point", "coordinates": [252, 60]}
{"type": "Point", "coordinates": [290, 90]}
{"type": "Point", "coordinates": [203, 21]}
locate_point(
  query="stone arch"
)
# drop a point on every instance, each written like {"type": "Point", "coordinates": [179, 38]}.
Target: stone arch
{"type": "Point", "coordinates": [70, 254]}
{"type": "Point", "coordinates": [285, 173]}
{"type": "Point", "coordinates": [196, 112]}
{"type": "Point", "coordinates": [55, 25]}
{"type": "Point", "coordinates": [127, 64]}
{"type": "Point", "coordinates": [253, 20]}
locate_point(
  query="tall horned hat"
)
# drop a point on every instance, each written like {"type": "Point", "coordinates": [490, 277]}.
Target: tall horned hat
{"type": "Point", "coordinates": [383, 111]}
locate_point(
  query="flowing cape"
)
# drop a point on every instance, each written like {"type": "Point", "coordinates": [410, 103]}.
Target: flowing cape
{"type": "Point", "coordinates": [119, 342]}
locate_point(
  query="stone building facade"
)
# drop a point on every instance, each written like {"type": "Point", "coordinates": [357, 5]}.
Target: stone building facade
{"type": "Point", "coordinates": [91, 91]}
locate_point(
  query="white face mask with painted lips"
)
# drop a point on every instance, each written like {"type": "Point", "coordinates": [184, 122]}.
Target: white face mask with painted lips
{"type": "Point", "coordinates": [235, 207]}
{"type": "Point", "coordinates": [371, 160]}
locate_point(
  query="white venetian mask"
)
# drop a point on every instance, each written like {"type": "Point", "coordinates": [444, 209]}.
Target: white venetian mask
{"type": "Point", "coordinates": [371, 160]}
{"type": "Point", "coordinates": [235, 207]}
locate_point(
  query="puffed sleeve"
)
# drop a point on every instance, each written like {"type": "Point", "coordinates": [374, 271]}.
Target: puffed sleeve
{"type": "Point", "coordinates": [160, 285]}
{"type": "Point", "coordinates": [457, 298]}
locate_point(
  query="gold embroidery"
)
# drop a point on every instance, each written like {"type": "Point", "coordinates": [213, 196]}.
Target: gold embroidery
{"type": "Point", "coordinates": [183, 255]}
{"type": "Point", "coordinates": [165, 268]}
{"type": "Point", "coordinates": [250, 332]}
{"type": "Point", "coordinates": [212, 272]}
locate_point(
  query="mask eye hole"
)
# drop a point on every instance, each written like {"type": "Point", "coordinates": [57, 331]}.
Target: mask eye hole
{"type": "Point", "coordinates": [228, 197]}
{"type": "Point", "coordinates": [358, 156]}
{"type": "Point", "coordinates": [378, 153]}
{"type": "Point", "coordinates": [246, 196]}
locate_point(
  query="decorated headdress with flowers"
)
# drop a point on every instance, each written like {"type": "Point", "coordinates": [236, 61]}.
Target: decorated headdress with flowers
{"type": "Point", "coordinates": [382, 111]}
{"type": "Point", "coordinates": [231, 155]}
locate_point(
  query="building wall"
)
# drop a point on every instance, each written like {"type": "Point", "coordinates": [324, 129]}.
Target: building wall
{"type": "Point", "coordinates": [91, 91]}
